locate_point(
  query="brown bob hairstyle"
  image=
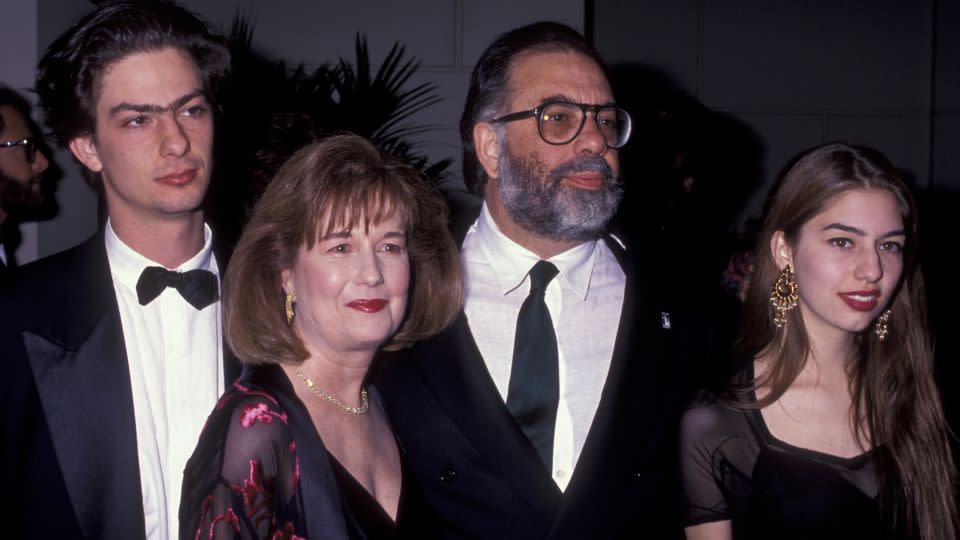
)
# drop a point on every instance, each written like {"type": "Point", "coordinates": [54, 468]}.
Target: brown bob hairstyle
{"type": "Point", "coordinates": [336, 183]}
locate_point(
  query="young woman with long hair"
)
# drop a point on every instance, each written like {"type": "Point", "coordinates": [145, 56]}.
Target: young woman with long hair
{"type": "Point", "coordinates": [834, 426]}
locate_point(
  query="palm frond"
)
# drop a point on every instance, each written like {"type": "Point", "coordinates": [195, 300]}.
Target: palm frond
{"type": "Point", "coordinates": [271, 110]}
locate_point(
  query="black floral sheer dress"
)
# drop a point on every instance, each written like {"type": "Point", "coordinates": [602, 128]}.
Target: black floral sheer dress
{"type": "Point", "coordinates": [734, 469]}
{"type": "Point", "coordinates": [260, 470]}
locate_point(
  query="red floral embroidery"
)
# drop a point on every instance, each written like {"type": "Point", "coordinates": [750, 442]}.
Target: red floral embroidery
{"type": "Point", "coordinates": [296, 464]}
{"type": "Point", "coordinates": [257, 493]}
{"type": "Point", "coordinates": [204, 510]}
{"type": "Point", "coordinates": [287, 533]}
{"type": "Point", "coordinates": [250, 392]}
{"type": "Point", "coordinates": [229, 518]}
{"type": "Point", "coordinates": [260, 413]}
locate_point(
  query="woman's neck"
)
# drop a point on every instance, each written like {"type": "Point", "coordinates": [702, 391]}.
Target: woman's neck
{"type": "Point", "coordinates": [825, 366]}
{"type": "Point", "coordinates": [828, 358]}
{"type": "Point", "coordinates": [340, 375]}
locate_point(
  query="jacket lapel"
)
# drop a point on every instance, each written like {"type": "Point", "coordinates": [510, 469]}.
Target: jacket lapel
{"type": "Point", "coordinates": [609, 424]}
{"type": "Point", "coordinates": [625, 441]}
{"type": "Point", "coordinates": [464, 388]}
{"type": "Point", "coordinates": [231, 364]}
{"type": "Point", "coordinates": [79, 364]}
{"type": "Point", "coordinates": [455, 372]}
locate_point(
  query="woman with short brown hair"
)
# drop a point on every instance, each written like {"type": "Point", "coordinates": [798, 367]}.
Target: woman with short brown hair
{"type": "Point", "coordinates": [318, 283]}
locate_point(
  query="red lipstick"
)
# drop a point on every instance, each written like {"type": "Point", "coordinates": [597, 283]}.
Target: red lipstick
{"type": "Point", "coordinates": [861, 300]}
{"type": "Point", "coordinates": [368, 305]}
{"type": "Point", "coordinates": [179, 178]}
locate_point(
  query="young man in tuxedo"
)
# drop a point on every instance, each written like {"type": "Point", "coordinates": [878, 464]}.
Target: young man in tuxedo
{"type": "Point", "coordinates": [549, 409]}
{"type": "Point", "coordinates": [114, 347]}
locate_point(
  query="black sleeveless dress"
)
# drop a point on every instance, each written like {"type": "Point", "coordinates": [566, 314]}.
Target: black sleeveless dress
{"type": "Point", "coordinates": [735, 469]}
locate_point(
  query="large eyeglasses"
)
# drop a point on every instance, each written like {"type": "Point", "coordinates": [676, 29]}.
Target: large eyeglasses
{"type": "Point", "coordinates": [29, 147]}
{"type": "Point", "coordinates": [559, 122]}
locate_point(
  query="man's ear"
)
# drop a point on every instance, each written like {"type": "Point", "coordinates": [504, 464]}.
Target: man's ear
{"type": "Point", "coordinates": [85, 150]}
{"type": "Point", "coordinates": [486, 144]}
{"type": "Point", "coordinates": [781, 250]}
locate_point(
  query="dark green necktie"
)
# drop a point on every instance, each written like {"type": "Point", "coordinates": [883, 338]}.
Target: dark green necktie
{"type": "Point", "coordinates": [534, 390]}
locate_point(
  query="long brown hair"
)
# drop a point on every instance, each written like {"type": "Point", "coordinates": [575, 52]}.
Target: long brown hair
{"type": "Point", "coordinates": [896, 404]}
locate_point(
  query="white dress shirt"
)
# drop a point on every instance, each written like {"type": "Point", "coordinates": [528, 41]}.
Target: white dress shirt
{"type": "Point", "coordinates": [585, 300]}
{"type": "Point", "coordinates": [175, 357]}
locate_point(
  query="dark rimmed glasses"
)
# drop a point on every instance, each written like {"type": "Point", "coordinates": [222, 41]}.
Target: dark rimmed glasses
{"type": "Point", "coordinates": [29, 147]}
{"type": "Point", "coordinates": [559, 122]}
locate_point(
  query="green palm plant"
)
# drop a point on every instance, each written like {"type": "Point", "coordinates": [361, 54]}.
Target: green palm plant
{"type": "Point", "coordinates": [380, 107]}
{"type": "Point", "coordinates": [269, 111]}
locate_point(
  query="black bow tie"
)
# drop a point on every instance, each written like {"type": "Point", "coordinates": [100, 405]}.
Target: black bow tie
{"type": "Point", "coordinates": [199, 287]}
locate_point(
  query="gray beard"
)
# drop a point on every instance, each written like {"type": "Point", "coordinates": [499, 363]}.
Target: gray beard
{"type": "Point", "coordinates": [537, 200]}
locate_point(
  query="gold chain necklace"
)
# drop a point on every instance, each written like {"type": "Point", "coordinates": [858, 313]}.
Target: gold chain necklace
{"type": "Point", "coordinates": [364, 401]}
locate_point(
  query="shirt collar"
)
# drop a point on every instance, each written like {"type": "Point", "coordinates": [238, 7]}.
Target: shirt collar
{"type": "Point", "coordinates": [510, 262]}
{"type": "Point", "coordinates": [126, 264]}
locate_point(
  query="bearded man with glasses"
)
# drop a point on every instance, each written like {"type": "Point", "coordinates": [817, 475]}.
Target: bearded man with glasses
{"type": "Point", "coordinates": [21, 168]}
{"type": "Point", "coordinates": [542, 412]}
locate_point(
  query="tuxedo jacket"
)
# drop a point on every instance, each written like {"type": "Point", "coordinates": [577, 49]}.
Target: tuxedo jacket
{"type": "Point", "coordinates": [69, 435]}
{"type": "Point", "coordinates": [4, 275]}
{"type": "Point", "coordinates": [484, 478]}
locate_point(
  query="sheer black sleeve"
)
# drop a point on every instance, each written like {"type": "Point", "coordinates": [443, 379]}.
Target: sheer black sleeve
{"type": "Point", "coordinates": [242, 481]}
{"type": "Point", "coordinates": [718, 450]}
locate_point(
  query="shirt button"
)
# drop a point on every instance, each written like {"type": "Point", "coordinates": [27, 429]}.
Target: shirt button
{"type": "Point", "coordinates": [560, 473]}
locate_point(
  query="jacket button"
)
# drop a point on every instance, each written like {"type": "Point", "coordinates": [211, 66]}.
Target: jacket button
{"type": "Point", "coordinates": [448, 475]}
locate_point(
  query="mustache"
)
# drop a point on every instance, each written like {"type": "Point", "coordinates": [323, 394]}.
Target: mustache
{"type": "Point", "coordinates": [590, 163]}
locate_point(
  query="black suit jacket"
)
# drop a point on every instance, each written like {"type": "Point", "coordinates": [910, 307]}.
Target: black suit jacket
{"type": "Point", "coordinates": [484, 478]}
{"type": "Point", "coordinates": [69, 435]}
{"type": "Point", "coordinates": [4, 273]}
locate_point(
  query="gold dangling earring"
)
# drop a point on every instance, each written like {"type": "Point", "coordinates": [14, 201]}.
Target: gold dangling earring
{"type": "Point", "coordinates": [288, 308]}
{"type": "Point", "coordinates": [784, 296]}
{"type": "Point", "coordinates": [881, 328]}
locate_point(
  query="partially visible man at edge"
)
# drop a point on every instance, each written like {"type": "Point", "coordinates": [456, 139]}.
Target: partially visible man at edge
{"type": "Point", "coordinates": [560, 424]}
{"type": "Point", "coordinates": [22, 165]}
{"type": "Point", "coordinates": [112, 350]}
